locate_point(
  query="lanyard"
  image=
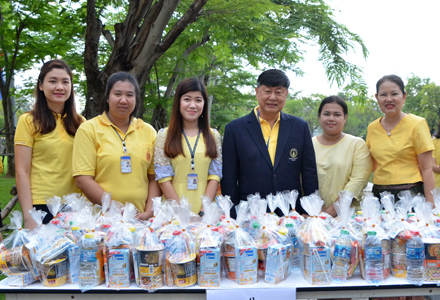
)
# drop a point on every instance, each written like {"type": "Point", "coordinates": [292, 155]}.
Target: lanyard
{"type": "Point", "coordinates": [124, 148]}
{"type": "Point", "coordinates": [259, 123]}
{"type": "Point", "coordinates": [192, 151]}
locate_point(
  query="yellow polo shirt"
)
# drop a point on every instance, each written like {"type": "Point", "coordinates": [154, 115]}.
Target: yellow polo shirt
{"type": "Point", "coordinates": [97, 152]}
{"type": "Point", "coordinates": [396, 155]}
{"type": "Point", "coordinates": [436, 155]}
{"type": "Point", "coordinates": [51, 165]}
{"type": "Point", "coordinates": [269, 134]}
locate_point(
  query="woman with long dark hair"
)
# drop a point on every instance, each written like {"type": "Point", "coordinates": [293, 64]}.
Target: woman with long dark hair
{"type": "Point", "coordinates": [187, 154]}
{"type": "Point", "coordinates": [113, 152]}
{"type": "Point", "coordinates": [44, 141]}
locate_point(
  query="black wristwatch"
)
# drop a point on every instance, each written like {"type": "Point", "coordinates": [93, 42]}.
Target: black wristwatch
{"type": "Point", "coordinates": [201, 213]}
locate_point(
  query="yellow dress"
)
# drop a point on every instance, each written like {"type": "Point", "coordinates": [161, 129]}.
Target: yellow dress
{"type": "Point", "coordinates": [178, 168]}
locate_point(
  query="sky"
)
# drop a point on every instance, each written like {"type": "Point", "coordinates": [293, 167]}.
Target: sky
{"type": "Point", "coordinates": [402, 37]}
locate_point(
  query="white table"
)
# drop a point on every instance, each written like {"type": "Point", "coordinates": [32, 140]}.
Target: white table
{"type": "Point", "coordinates": [355, 287]}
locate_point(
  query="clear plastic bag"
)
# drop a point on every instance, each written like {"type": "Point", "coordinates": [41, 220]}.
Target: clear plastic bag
{"type": "Point", "coordinates": [180, 264]}
{"type": "Point", "coordinates": [240, 251]}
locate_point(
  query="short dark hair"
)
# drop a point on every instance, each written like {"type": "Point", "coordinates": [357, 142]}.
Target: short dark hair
{"type": "Point", "coordinates": [333, 99]}
{"type": "Point", "coordinates": [393, 78]}
{"type": "Point", "coordinates": [124, 77]}
{"type": "Point", "coordinates": [273, 78]}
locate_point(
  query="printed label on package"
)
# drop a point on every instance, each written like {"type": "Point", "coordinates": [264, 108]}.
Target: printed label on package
{"type": "Point", "coordinates": [342, 251]}
{"type": "Point", "coordinates": [373, 253]}
{"type": "Point", "coordinates": [415, 253]}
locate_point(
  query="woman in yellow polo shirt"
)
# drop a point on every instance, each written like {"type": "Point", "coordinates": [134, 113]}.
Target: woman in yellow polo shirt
{"type": "Point", "coordinates": [113, 152]}
{"type": "Point", "coordinates": [187, 154]}
{"type": "Point", "coordinates": [400, 144]}
{"type": "Point", "coordinates": [343, 161]}
{"type": "Point", "coordinates": [44, 141]}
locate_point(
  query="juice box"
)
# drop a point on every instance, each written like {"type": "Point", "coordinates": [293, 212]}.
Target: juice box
{"type": "Point", "coordinates": [277, 263]}
{"type": "Point", "coordinates": [209, 267]}
{"type": "Point", "coordinates": [21, 279]}
{"type": "Point", "coordinates": [246, 264]}
{"type": "Point", "coordinates": [118, 268]}
{"type": "Point", "coordinates": [73, 253]}
{"type": "Point", "coordinates": [317, 265]}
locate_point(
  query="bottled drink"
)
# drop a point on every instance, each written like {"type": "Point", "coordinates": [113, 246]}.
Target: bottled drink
{"type": "Point", "coordinates": [415, 255]}
{"type": "Point", "coordinates": [341, 257]}
{"type": "Point", "coordinates": [373, 259]}
{"type": "Point", "coordinates": [295, 247]}
{"type": "Point", "coordinates": [89, 273]}
{"type": "Point", "coordinates": [76, 231]}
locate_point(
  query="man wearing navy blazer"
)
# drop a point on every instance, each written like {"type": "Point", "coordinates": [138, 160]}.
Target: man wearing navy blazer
{"type": "Point", "coordinates": [268, 151]}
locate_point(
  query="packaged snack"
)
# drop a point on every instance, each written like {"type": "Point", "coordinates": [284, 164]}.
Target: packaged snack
{"type": "Point", "coordinates": [316, 242]}
{"type": "Point", "coordinates": [181, 255]}
{"type": "Point", "coordinates": [241, 260]}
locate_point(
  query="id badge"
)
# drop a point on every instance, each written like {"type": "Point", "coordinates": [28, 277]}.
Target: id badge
{"type": "Point", "coordinates": [125, 164]}
{"type": "Point", "coordinates": [192, 181]}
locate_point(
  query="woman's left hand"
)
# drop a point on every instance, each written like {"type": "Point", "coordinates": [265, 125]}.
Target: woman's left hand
{"type": "Point", "coordinates": [144, 215]}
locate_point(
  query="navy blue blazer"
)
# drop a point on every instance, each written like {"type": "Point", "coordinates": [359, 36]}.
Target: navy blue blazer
{"type": "Point", "coordinates": [247, 168]}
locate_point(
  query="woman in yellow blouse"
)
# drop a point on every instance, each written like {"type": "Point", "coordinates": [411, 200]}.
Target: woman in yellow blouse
{"type": "Point", "coordinates": [113, 152]}
{"type": "Point", "coordinates": [187, 154]}
{"type": "Point", "coordinates": [400, 144]}
{"type": "Point", "coordinates": [44, 141]}
{"type": "Point", "coordinates": [436, 157]}
{"type": "Point", "coordinates": [343, 161]}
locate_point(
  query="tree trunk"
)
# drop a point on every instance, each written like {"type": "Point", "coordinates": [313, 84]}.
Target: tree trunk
{"type": "Point", "coordinates": [159, 119]}
{"type": "Point", "coordinates": [8, 111]}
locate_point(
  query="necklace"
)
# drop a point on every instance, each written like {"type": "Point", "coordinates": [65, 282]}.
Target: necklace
{"type": "Point", "coordinates": [389, 130]}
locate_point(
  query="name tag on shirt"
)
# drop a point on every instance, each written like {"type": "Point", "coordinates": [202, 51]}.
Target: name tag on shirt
{"type": "Point", "coordinates": [125, 164]}
{"type": "Point", "coordinates": [192, 182]}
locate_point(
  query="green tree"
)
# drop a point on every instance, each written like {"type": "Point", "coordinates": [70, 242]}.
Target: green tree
{"type": "Point", "coordinates": [30, 31]}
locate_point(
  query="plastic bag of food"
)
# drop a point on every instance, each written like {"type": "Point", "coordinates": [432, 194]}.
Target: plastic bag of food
{"type": "Point", "coordinates": [52, 257]}
{"type": "Point", "coordinates": [315, 239]}
{"type": "Point", "coordinates": [431, 239]}
{"type": "Point", "coordinates": [117, 251]}
{"type": "Point", "coordinates": [180, 264]}
{"type": "Point", "coordinates": [240, 251]}
{"type": "Point", "coordinates": [148, 257]}
{"type": "Point", "coordinates": [292, 197]}
{"type": "Point", "coordinates": [346, 247]}
{"type": "Point", "coordinates": [208, 247]}
{"type": "Point", "coordinates": [91, 271]}
{"type": "Point", "coordinates": [16, 257]}
{"type": "Point", "coordinates": [400, 233]}
{"type": "Point", "coordinates": [54, 206]}
{"type": "Point", "coordinates": [371, 213]}
{"type": "Point", "coordinates": [225, 203]}
{"type": "Point", "coordinates": [272, 203]}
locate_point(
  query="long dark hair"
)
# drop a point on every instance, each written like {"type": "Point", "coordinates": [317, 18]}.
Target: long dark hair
{"type": "Point", "coordinates": [333, 99]}
{"type": "Point", "coordinates": [173, 142]}
{"type": "Point", "coordinates": [124, 77]}
{"type": "Point", "coordinates": [44, 119]}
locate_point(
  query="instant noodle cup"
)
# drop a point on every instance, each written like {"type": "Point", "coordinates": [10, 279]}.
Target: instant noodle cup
{"type": "Point", "coordinates": [54, 273]}
{"type": "Point", "coordinates": [184, 272]}
{"type": "Point", "coordinates": [150, 268]}
{"type": "Point", "coordinates": [15, 260]}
